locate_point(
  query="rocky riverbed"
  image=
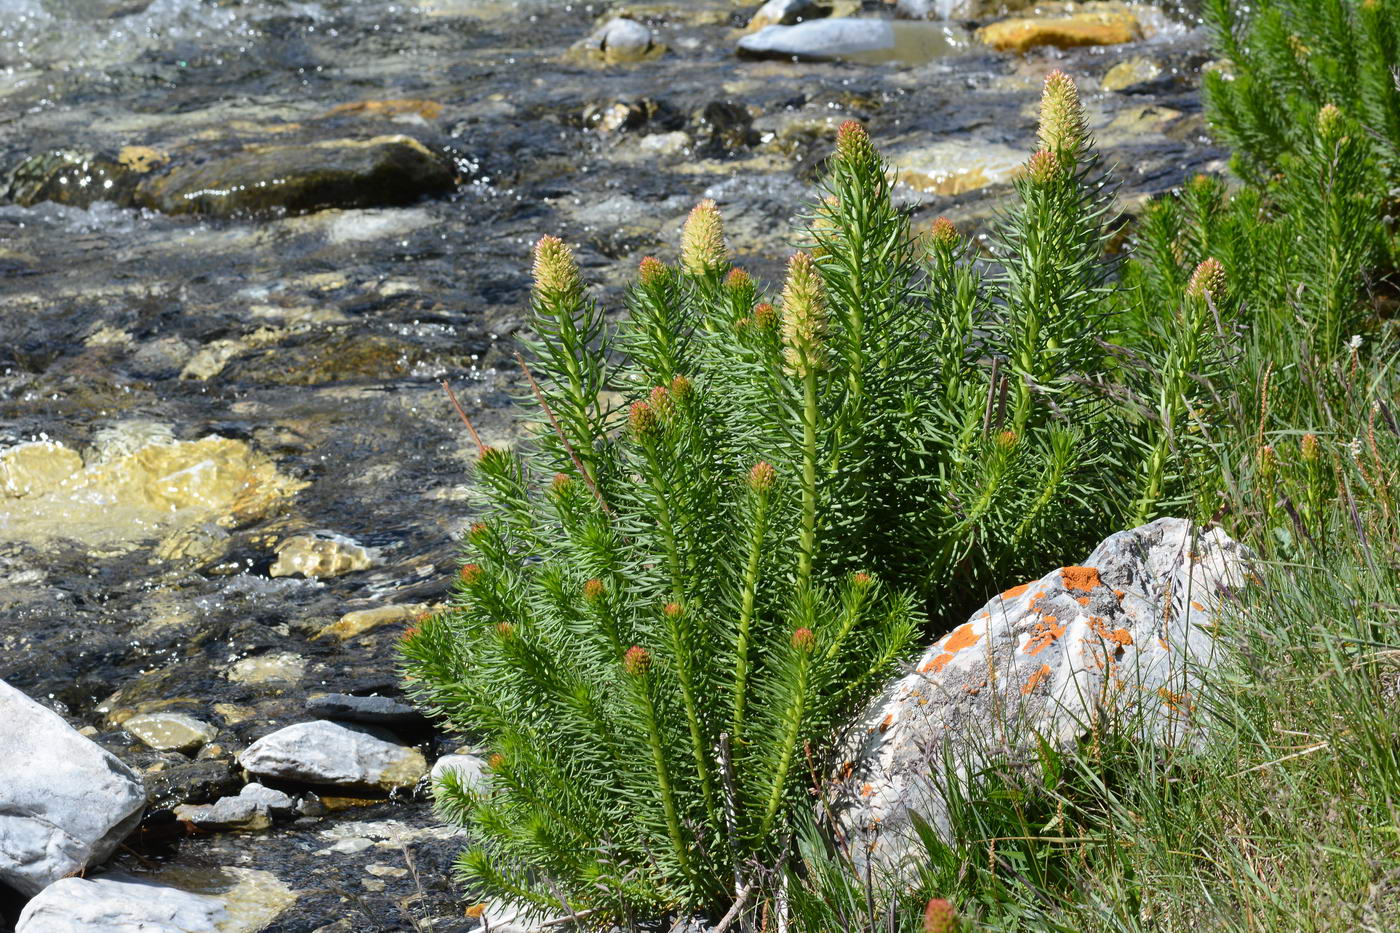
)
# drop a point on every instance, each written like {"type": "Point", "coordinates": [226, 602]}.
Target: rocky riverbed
{"type": "Point", "coordinates": [243, 241]}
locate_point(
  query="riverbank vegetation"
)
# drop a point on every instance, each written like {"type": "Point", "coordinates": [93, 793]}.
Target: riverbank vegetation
{"type": "Point", "coordinates": [739, 515]}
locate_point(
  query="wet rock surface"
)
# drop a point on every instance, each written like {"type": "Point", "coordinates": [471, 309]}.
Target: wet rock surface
{"type": "Point", "coordinates": [182, 394]}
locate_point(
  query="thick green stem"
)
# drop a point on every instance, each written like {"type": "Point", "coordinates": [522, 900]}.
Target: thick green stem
{"type": "Point", "coordinates": [789, 746]}
{"type": "Point", "coordinates": [808, 544]}
{"type": "Point", "coordinates": [682, 649]}
{"type": "Point", "coordinates": [663, 780]}
{"type": "Point", "coordinates": [741, 664]}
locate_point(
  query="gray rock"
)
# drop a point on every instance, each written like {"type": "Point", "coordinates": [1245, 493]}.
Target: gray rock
{"type": "Point", "coordinates": [345, 173]}
{"type": "Point", "coordinates": [1124, 640]}
{"type": "Point", "coordinates": [333, 753]}
{"type": "Point", "coordinates": [119, 904]}
{"type": "Point", "coordinates": [957, 9]}
{"type": "Point", "coordinates": [65, 803]}
{"type": "Point", "coordinates": [376, 710]}
{"type": "Point", "coordinates": [470, 771]}
{"type": "Point", "coordinates": [241, 813]}
{"type": "Point", "coordinates": [195, 782]}
{"type": "Point", "coordinates": [276, 802]}
{"type": "Point", "coordinates": [172, 732]}
{"type": "Point", "coordinates": [820, 39]}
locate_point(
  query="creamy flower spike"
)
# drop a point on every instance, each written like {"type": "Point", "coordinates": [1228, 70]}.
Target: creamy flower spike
{"type": "Point", "coordinates": [1208, 279]}
{"type": "Point", "coordinates": [1063, 130]}
{"type": "Point", "coordinates": [804, 316]}
{"type": "Point", "coordinates": [702, 240]}
{"type": "Point", "coordinates": [555, 270]}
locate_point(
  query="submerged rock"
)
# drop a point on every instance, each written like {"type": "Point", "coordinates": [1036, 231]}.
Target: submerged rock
{"type": "Point", "coordinates": [176, 732]}
{"type": "Point", "coordinates": [1134, 71]}
{"type": "Point", "coordinates": [65, 803]}
{"type": "Point", "coordinates": [334, 753]}
{"type": "Point", "coordinates": [379, 172]}
{"type": "Point", "coordinates": [1124, 639]}
{"type": "Point", "coordinates": [128, 497]}
{"type": "Point", "coordinates": [360, 621]}
{"type": "Point", "coordinates": [373, 710]}
{"type": "Point", "coordinates": [954, 167]}
{"type": "Point", "coordinates": [322, 554]}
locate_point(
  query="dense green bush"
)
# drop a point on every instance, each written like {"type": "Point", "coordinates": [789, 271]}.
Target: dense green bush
{"type": "Point", "coordinates": [1286, 60]}
{"type": "Point", "coordinates": [653, 642]}
{"type": "Point", "coordinates": [733, 518]}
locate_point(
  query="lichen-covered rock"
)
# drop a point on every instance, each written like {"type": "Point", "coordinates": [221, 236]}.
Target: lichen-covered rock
{"type": "Point", "coordinates": [332, 753]}
{"type": "Point", "coordinates": [1126, 638]}
{"type": "Point", "coordinates": [65, 802]}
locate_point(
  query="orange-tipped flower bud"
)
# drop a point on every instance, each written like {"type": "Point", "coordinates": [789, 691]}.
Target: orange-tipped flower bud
{"type": "Point", "coordinates": [641, 418]}
{"type": "Point", "coordinates": [478, 530]}
{"type": "Point", "coordinates": [556, 270]}
{"type": "Point", "coordinates": [863, 580]}
{"type": "Point", "coordinates": [1208, 279]}
{"type": "Point", "coordinates": [1006, 440]}
{"type": "Point", "coordinates": [1062, 127]}
{"type": "Point", "coordinates": [1044, 167]}
{"type": "Point", "coordinates": [594, 590]}
{"type": "Point", "coordinates": [652, 271]}
{"type": "Point", "coordinates": [562, 481]}
{"type": "Point", "coordinates": [496, 762]}
{"type": "Point", "coordinates": [661, 402]}
{"type": "Point", "coordinates": [761, 477]}
{"type": "Point", "coordinates": [1309, 447]}
{"type": "Point", "coordinates": [804, 315]}
{"type": "Point", "coordinates": [738, 280]}
{"type": "Point", "coordinates": [409, 632]}
{"type": "Point", "coordinates": [804, 640]}
{"type": "Point", "coordinates": [1268, 459]}
{"type": "Point", "coordinates": [702, 240]}
{"type": "Point", "coordinates": [471, 573]}
{"type": "Point", "coordinates": [765, 316]}
{"type": "Point", "coordinates": [682, 390]}
{"type": "Point", "coordinates": [636, 661]}
{"type": "Point", "coordinates": [940, 917]}
{"type": "Point", "coordinates": [944, 234]}
{"type": "Point", "coordinates": [853, 145]}
{"type": "Point", "coordinates": [673, 610]}
{"type": "Point", "coordinates": [505, 630]}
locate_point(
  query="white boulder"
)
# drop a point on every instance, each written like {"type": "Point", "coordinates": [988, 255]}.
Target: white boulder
{"type": "Point", "coordinates": [119, 904]}
{"type": "Point", "coordinates": [1126, 639]}
{"type": "Point", "coordinates": [65, 802]}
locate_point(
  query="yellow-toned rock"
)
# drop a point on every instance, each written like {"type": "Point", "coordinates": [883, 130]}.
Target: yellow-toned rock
{"type": "Point", "coordinates": [36, 468]}
{"type": "Point", "coordinates": [320, 555]}
{"type": "Point", "coordinates": [135, 496]}
{"type": "Point", "coordinates": [953, 167]}
{"type": "Point", "coordinates": [1132, 71]}
{"type": "Point", "coordinates": [1111, 26]}
{"type": "Point", "coordinates": [427, 109]}
{"type": "Point", "coordinates": [360, 621]}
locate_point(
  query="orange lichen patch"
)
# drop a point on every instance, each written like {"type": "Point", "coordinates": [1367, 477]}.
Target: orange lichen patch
{"type": "Point", "coordinates": [1119, 636]}
{"type": "Point", "coordinates": [1082, 600]}
{"type": "Point", "coordinates": [1043, 635]}
{"type": "Point", "coordinates": [1197, 606]}
{"type": "Point", "coordinates": [1083, 579]}
{"type": "Point", "coordinates": [1119, 594]}
{"type": "Point", "coordinates": [1035, 679]}
{"type": "Point", "coordinates": [475, 911]}
{"type": "Point", "coordinates": [427, 109]}
{"type": "Point", "coordinates": [1035, 599]}
{"type": "Point", "coordinates": [936, 665]}
{"type": "Point", "coordinates": [1015, 591]}
{"type": "Point", "coordinates": [846, 769]}
{"type": "Point", "coordinates": [885, 723]}
{"type": "Point", "coordinates": [964, 637]}
{"type": "Point", "coordinates": [866, 790]}
{"type": "Point", "coordinates": [1176, 702]}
